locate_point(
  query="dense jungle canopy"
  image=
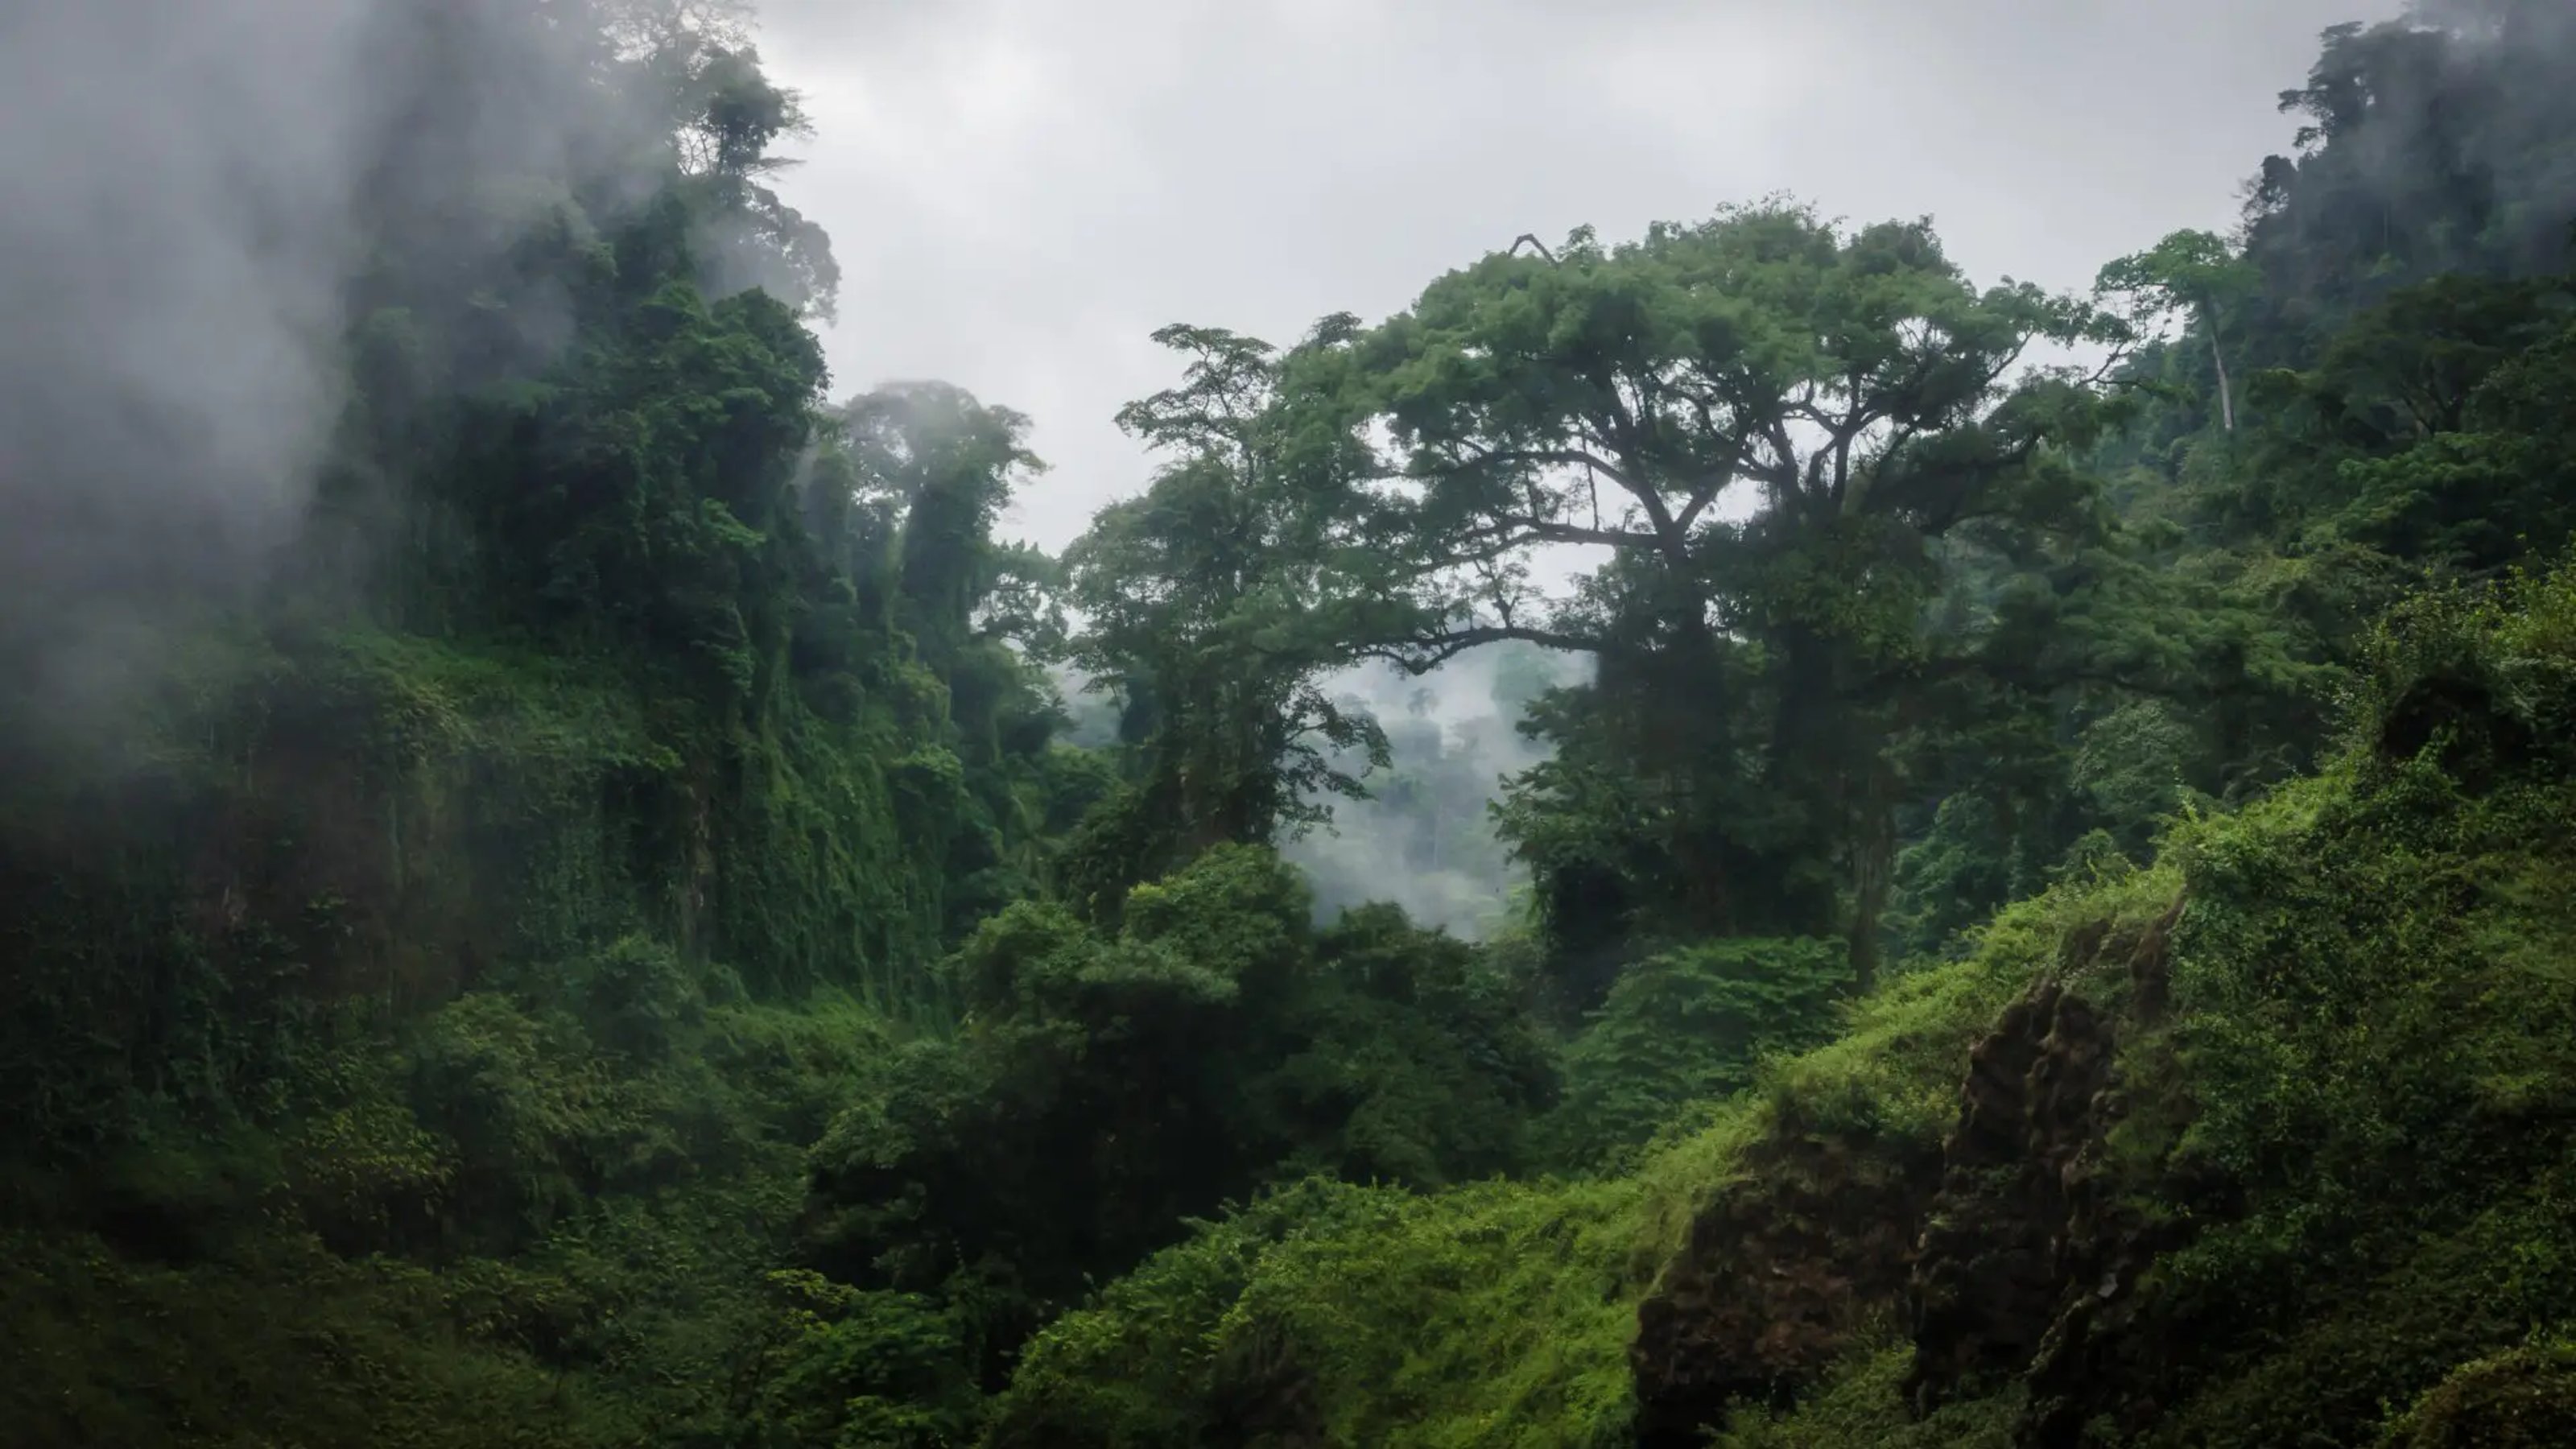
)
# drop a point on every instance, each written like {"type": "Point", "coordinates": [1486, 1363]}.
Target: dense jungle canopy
{"type": "Point", "coordinates": [563, 885]}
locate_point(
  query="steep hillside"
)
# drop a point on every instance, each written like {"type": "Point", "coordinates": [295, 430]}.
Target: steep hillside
{"type": "Point", "coordinates": [434, 934]}
{"type": "Point", "coordinates": [548, 898]}
{"type": "Point", "coordinates": [2265, 1145]}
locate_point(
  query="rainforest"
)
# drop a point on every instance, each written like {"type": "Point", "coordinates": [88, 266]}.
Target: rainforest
{"type": "Point", "coordinates": [564, 883]}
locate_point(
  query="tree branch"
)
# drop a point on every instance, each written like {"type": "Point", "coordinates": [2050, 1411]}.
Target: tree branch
{"type": "Point", "coordinates": [1547, 532]}
{"type": "Point", "coordinates": [1563, 457]}
{"type": "Point", "coordinates": [1424, 654]}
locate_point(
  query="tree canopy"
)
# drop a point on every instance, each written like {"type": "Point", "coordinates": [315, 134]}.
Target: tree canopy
{"type": "Point", "coordinates": [1987, 866]}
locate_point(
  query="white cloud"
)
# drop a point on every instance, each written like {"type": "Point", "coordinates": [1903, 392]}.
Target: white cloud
{"type": "Point", "coordinates": [1022, 190]}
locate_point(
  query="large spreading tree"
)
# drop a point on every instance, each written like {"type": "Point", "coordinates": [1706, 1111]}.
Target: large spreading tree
{"type": "Point", "coordinates": [1213, 606]}
{"type": "Point", "coordinates": [1838, 516]}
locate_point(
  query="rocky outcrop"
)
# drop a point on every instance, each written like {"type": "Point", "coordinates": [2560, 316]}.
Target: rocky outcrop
{"type": "Point", "coordinates": [2026, 1259]}
{"type": "Point", "coordinates": [2010, 1248]}
{"type": "Point", "coordinates": [1777, 1278]}
{"type": "Point", "coordinates": [2000, 1247]}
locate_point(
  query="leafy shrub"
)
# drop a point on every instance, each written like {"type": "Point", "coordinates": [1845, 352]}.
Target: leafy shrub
{"type": "Point", "coordinates": [1690, 1026]}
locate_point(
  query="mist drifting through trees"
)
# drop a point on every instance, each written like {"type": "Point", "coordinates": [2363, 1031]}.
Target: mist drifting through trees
{"type": "Point", "coordinates": [565, 882]}
{"type": "Point", "coordinates": [1424, 838]}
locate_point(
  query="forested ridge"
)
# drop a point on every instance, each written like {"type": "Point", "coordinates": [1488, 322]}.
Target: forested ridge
{"type": "Point", "coordinates": [563, 884]}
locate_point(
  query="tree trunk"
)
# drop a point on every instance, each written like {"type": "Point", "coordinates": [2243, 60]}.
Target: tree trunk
{"type": "Point", "coordinates": [2218, 354]}
{"type": "Point", "coordinates": [1873, 875]}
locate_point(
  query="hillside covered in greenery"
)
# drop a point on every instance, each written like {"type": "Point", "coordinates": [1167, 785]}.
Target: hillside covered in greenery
{"type": "Point", "coordinates": [554, 891]}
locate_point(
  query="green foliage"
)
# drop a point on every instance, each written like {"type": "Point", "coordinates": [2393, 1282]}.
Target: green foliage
{"type": "Point", "coordinates": [608, 948]}
{"type": "Point", "coordinates": [297, 1346]}
{"type": "Point", "coordinates": [847, 1367]}
{"type": "Point", "coordinates": [1105, 1086]}
{"type": "Point", "coordinates": [2358, 1352]}
{"type": "Point", "coordinates": [1917, 561]}
{"type": "Point", "coordinates": [1953, 876]}
{"type": "Point", "coordinates": [2359, 1097]}
{"type": "Point", "coordinates": [1892, 1076]}
{"type": "Point", "coordinates": [1487, 1315]}
{"type": "Point", "coordinates": [1503, 1312]}
{"type": "Point", "coordinates": [1865, 1404]}
{"type": "Point", "coordinates": [1212, 605]}
{"type": "Point", "coordinates": [368, 1050]}
{"type": "Point", "coordinates": [2523, 1397]}
{"type": "Point", "coordinates": [529, 1226]}
{"type": "Point", "coordinates": [2189, 271]}
{"type": "Point", "coordinates": [2426, 148]}
{"type": "Point", "coordinates": [1418, 1063]}
{"type": "Point", "coordinates": [1689, 1027]}
{"type": "Point", "coordinates": [2132, 766]}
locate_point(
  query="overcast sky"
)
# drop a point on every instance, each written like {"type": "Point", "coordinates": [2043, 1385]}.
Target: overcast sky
{"type": "Point", "coordinates": [1020, 191]}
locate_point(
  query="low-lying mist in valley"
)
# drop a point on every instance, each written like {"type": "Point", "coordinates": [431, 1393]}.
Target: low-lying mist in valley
{"type": "Point", "coordinates": [1424, 838]}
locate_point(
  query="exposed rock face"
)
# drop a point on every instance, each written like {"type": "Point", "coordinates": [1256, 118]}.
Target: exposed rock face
{"type": "Point", "coordinates": [1778, 1277]}
{"type": "Point", "coordinates": [1997, 1254]}
{"type": "Point", "coordinates": [2007, 1247]}
{"type": "Point", "coordinates": [2026, 1259]}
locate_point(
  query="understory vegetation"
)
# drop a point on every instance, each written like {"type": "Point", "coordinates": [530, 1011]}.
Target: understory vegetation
{"type": "Point", "coordinates": [2024, 905]}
